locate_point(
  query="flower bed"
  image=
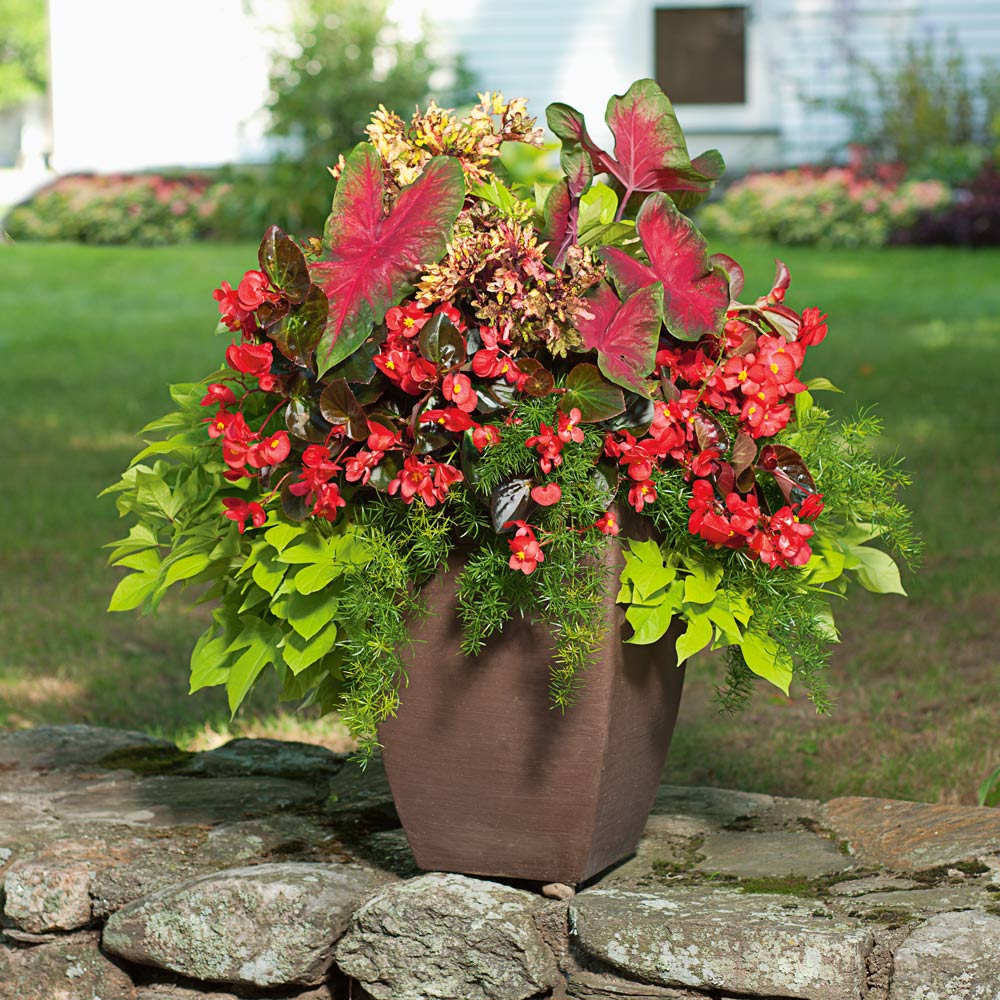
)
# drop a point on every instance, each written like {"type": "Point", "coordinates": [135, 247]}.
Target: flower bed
{"type": "Point", "coordinates": [141, 209]}
{"type": "Point", "coordinates": [838, 207]}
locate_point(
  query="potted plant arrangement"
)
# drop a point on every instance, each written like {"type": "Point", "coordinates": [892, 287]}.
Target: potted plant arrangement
{"type": "Point", "coordinates": [487, 461]}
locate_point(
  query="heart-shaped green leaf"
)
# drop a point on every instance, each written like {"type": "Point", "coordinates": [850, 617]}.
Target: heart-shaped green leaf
{"type": "Point", "coordinates": [592, 394]}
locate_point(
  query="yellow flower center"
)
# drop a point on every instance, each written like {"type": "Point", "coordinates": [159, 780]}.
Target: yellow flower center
{"type": "Point", "coordinates": [390, 366]}
{"type": "Point", "coordinates": [774, 368]}
{"type": "Point", "coordinates": [742, 377]}
{"type": "Point", "coordinates": [408, 321]}
{"type": "Point", "coordinates": [520, 555]}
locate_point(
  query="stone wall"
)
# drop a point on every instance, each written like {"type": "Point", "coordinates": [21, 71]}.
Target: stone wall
{"type": "Point", "coordinates": [134, 871]}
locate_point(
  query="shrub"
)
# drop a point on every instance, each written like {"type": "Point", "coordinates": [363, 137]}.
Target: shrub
{"type": "Point", "coordinates": [348, 57]}
{"type": "Point", "coordinates": [971, 219]}
{"type": "Point", "coordinates": [837, 207]}
{"type": "Point", "coordinates": [928, 109]}
{"type": "Point", "coordinates": [144, 209]}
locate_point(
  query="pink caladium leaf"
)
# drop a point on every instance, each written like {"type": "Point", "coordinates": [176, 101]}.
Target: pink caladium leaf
{"type": "Point", "coordinates": [371, 257]}
{"type": "Point", "coordinates": [650, 151]}
{"type": "Point", "coordinates": [625, 334]}
{"type": "Point", "coordinates": [562, 206]}
{"type": "Point", "coordinates": [695, 294]}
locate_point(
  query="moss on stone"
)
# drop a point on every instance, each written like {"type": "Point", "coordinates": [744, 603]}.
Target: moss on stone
{"type": "Point", "coordinates": [887, 915]}
{"type": "Point", "coordinates": [146, 759]}
{"type": "Point", "coordinates": [941, 873]}
{"type": "Point", "coordinates": [780, 885]}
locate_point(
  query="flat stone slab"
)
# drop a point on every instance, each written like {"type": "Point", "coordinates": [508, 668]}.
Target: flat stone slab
{"type": "Point", "coordinates": [923, 902]}
{"type": "Point", "coordinates": [872, 884]}
{"type": "Point", "coordinates": [716, 939]}
{"type": "Point", "coordinates": [909, 836]}
{"type": "Point", "coordinates": [71, 968]}
{"type": "Point", "coordinates": [756, 855]}
{"type": "Point", "coordinates": [267, 925]}
{"type": "Point", "coordinates": [173, 800]}
{"type": "Point", "coordinates": [448, 936]}
{"type": "Point", "coordinates": [68, 746]}
{"type": "Point", "coordinates": [953, 956]}
{"type": "Point", "coordinates": [266, 758]}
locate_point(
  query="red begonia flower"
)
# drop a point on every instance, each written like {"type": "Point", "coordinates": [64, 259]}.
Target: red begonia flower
{"type": "Point", "coordinates": [239, 511]}
{"type": "Point", "coordinates": [251, 359]}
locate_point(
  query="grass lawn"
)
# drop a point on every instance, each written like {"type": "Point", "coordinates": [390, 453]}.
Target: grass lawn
{"type": "Point", "coordinates": [90, 337]}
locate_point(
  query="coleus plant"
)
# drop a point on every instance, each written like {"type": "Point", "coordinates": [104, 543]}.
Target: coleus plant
{"type": "Point", "coordinates": [463, 361]}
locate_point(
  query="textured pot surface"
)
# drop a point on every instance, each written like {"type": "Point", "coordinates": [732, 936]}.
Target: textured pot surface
{"type": "Point", "coordinates": [489, 780]}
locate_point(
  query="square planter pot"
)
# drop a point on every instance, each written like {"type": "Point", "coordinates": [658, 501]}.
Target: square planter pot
{"type": "Point", "coordinates": [488, 779]}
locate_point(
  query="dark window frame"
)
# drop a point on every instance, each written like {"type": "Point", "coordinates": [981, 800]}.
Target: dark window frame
{"type": "Point", "coordinates": [710, 67]}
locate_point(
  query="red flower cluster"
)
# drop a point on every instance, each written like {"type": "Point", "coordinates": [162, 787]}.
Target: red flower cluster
{"type": "Point", "coordinates": [400, 361]}
{"type": "Point", "coordinates": [318, 468]}
{"type": "Point", "coordinates": [780, 539]}
{"type": "Point", "coordinates": [525, 549]}
{"type": "Point", "coordinates": [237, 305]}
{"type": "Point", "coordinates": [424, 478]}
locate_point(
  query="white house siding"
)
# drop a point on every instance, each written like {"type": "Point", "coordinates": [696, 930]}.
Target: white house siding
{"type": "Point", "coordinates": [137, 84]}
{"type": "Point", "coordinates": [823, 34]}
{"type": "Point", "coordinates": [585, 50]}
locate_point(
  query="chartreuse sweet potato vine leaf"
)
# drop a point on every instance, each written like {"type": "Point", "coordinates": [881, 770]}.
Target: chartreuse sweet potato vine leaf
{"type": "Point", "coordinates": [371, 257]}
{"type": "Point", "coordinates": [660, 586]}
{"type": "Point", "coordinates": [650, 152]}
{"type": "Point", "coordinates": [624, 334]}
{"type": "Point", "coordinates": [695, 294]}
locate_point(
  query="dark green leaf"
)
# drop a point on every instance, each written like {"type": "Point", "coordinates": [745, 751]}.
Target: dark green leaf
{"type": "Point", "coordinates": [471, 456]}
{"type": "Point", "coordinates": [592, 394]}
{"type": "Point", "coordinates": [638, 415]}
{"type": "Point", "coordinates": [359, 367]}
{"type": "Point", "coordinates": [789, 470]}
{"type": "Point", "coordinates": [284, 263]}
{"type": "Point", "coordinates": [511, 501]}
{"type": "Point", "coordinates": [709, 432]}
{"type": "Point", "coordinates": [498, 396]}
{"type": "Point", "coordinates": [268, 313]}
{"type": "Point", "coordinates": [428, 438]}
{"type": "Point", "coordinates": [304, 421]}
{"type": "Point", "coordinates": [607, 479]}
{"type": "Point", "coordinates": [385, 472]}
{"type": "Point", "coordinates": [441, 343]}
{"type": "Point", "coordinates": [539, 382]}
{"type": "Point", "coordinates": [340, 406]}
{"type": "Point", "coordinates": [297, 334]}
{"type": "Point", "coordinates": [295, 508]}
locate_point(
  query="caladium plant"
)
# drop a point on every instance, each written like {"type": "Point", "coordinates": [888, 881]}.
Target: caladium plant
{"type": "Point", "coordinates": [464, 358]}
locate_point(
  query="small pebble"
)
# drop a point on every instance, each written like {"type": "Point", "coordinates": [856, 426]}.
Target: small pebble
{"type": "Point", "coordinates": [558, 890]}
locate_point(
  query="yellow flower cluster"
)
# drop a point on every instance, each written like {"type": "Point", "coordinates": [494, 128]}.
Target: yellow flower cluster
{"type": "Point", "coordinates": [473, 139]}
{"type": "Point", "coordinates": [495, 264]}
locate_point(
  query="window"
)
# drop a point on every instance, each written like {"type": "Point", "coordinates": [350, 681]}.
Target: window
{"type": "Point", "coordinates": [701, 54]}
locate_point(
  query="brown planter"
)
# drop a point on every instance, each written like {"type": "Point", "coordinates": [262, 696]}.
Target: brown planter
{"type": "Point", "coordinates": [489, 780]}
